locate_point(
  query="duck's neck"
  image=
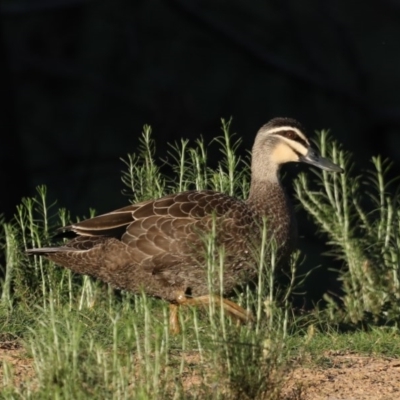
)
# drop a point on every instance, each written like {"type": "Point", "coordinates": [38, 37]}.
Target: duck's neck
{"type": "Point", "coordinates": [267, 197]}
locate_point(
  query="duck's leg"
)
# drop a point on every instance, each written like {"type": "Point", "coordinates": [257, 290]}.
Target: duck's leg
{"type": "Point", "coordinates": [232, 309]}
{"type": "Point", "coordinates": [174, 325]}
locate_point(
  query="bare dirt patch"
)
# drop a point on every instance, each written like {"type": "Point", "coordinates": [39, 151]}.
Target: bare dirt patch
{"type": "Point", "coordinates": [347, 377]}
{"type": "Point", "coordinates": [16, 368]}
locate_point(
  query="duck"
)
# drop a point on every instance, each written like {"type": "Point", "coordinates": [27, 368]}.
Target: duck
{"type": "Point", "coordinates": [160, 246]}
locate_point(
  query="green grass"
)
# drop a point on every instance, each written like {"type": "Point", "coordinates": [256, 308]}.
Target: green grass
{"type": "Point", "coordinates": [86, 340]}
{"type": "Point", "coordinates": [374, 342]}
{"type": "Point", "coordinates": [361, 218]}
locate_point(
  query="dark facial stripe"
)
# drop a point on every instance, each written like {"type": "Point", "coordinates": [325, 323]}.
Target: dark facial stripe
{"type": "Point", "coordinates": [292, 135]}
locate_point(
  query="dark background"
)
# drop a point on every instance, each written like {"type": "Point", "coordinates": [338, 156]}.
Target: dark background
{"type": "Point", "coordinates": [79, 78]}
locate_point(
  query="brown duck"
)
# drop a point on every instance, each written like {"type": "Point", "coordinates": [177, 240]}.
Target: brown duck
{"type": "Point", "coordinates": [159, 246]}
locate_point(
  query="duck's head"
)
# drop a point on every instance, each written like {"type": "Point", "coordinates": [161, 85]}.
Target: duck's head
{"type": "Point", "coordinates": [280, 141]}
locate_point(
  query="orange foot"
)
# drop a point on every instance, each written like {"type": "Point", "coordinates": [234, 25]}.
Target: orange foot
{"type": "Point", "coordinates": [236, 312]}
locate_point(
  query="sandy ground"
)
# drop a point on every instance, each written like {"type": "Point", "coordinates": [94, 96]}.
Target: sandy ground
{"type": "Point", "coordinates": [337, 377]}
{"type": "Point", "coordinates": [347, 377]}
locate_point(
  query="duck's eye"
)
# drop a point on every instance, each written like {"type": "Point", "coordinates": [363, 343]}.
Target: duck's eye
{"type": "Point", "coordinates": [290, 135]}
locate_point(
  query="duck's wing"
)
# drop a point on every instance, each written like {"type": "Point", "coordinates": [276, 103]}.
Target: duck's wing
{"type": "Point", "coordinates": [174, 230]}
{"type": "Point", "coordinates": [187, 207]}
{"type": "Point", "coordinates": [113, 223]}
{"type": "Point", "coordinates": [167, 230]}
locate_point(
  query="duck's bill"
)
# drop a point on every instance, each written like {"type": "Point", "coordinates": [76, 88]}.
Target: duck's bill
{"type": "Point", "coordinates": [321, 162]}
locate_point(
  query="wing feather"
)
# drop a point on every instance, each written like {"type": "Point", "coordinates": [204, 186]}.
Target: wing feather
{"type": "Point", "coordinates": [164, 232]}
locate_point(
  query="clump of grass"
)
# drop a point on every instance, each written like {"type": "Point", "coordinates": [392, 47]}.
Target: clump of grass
{"type": "Point", "coordinates": [143, 178]}
{"type": "Point", "coordinates": [73, 360]}
{"type": "Point", "coordinates": [361, 218]}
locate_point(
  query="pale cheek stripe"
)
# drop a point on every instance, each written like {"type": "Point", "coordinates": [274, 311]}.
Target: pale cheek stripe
{"type": "Point", "coordinates": [296, 146]}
